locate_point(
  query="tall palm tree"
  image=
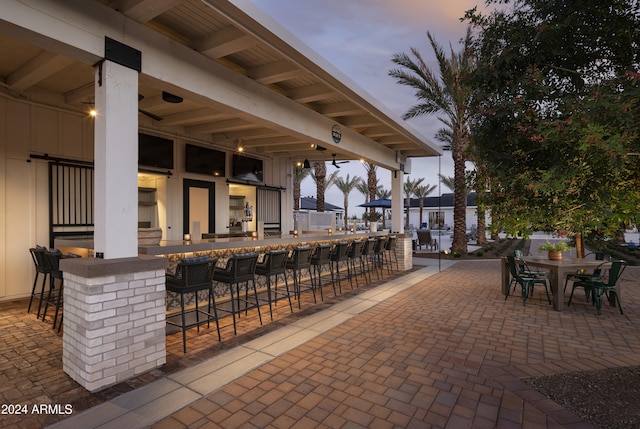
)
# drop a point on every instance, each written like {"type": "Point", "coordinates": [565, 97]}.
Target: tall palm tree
{"type": "Point", "coordinates": [448, 95]}
{"type": "Point", "coordinates": [421, 192]}
{"type": "Point", "coordinates": [372, 181]}
{"type": "Point", "coordinates": [474, 180]}
{"type": "Point", "coordinates": [319, 174]}
{"type": "Point", "coordinates": [409, 189]}
{"type": "Point", "coordinates": [299, 174]}
{"type": "Point", "coordinates": [383, 193]}
{"type": "Point", "coordinates": [347, 185]}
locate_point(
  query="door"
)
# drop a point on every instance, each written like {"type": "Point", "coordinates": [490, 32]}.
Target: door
{"type": "Point", "coordinates": [199, 207]}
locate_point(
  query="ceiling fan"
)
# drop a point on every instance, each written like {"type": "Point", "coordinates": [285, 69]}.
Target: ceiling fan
{"type": "Point", "coordinates": [335, 163]}
{"type": "Point", "coordinates": [166, 97]}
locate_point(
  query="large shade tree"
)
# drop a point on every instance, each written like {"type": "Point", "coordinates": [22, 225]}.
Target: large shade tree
{"type": "Point", "coordinates": [447, 94]}
{"type": "Point", "coordinates": [557, 113]}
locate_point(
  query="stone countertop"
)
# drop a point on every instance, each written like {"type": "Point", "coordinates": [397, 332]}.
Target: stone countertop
{"type": "Point", "coordinates": [178, 246]}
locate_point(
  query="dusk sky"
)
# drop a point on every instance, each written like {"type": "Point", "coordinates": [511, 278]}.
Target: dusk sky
{"type": "Point", "coordinates": [359, 38]}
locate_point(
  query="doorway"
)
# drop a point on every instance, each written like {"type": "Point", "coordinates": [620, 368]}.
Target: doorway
{"type": "Point", "coordinates": [198, 207]}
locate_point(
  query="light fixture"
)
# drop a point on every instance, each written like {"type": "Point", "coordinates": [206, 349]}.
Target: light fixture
{"type": "Point", "coordinates": [306, 164]}
{"type": "Point", "coordinates": [240, 147]}
{"type": "Point", "coordinates": [93, 112]}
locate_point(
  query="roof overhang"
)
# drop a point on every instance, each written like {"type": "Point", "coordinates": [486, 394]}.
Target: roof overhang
{"type": "Point", "coordinates": [243, 79]}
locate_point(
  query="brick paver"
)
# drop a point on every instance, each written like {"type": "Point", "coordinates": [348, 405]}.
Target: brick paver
{"type": "Point", "coordinates": [449, 352]}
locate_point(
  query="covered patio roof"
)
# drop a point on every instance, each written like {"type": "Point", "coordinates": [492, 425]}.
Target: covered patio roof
{"type": "Point", "coordinates": [185, 43]}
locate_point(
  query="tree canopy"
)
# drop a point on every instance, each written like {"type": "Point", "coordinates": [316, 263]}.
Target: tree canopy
{"type": "Point", "coordinates": [557, 113]}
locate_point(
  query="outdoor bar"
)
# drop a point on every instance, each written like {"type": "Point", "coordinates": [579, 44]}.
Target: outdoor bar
{"type": "Point", "coordinates": [139, 133]}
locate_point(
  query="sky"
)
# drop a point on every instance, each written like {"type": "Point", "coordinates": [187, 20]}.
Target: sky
{"type": "Point", "coordinates": [359, 38]}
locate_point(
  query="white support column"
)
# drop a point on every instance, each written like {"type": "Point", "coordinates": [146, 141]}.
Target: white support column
{"type": "Point", "coordinates": [397, 201]}
{"type": "Point", "coordinates": [116, 161]}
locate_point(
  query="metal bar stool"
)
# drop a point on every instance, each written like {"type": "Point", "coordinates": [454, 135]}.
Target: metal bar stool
{"type": "Point", "coordinates": [274, 264]}
{"type": "Point", "coordinates": [391, 248]}
{"type": "Point", "coordinates": [42, 267]}
{"type": "Point", "coordinates": [55, 293]}
{"type": "Point", "coordinates": [378, 251]}
{"type": "Point", "coordinates": [192, 276]}
{"type": "Point", "coordinates": [367, 255]}
{"type": "Point", "coordinates": [321, 257]}
{"type": "Point", "coordinates": [297, 262]}
{"type": "Point", "coordinates": [338, 254]}
{"type": "Point", "coordinates": [240, 268]}
{"type": "Point", "coordinates": [355, 253]}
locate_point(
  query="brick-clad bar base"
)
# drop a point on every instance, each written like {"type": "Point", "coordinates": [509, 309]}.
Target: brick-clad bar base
{"type": "Point", "coordinates": [114, 319]}
{"type": "Point", "coordinates": [404, 251]}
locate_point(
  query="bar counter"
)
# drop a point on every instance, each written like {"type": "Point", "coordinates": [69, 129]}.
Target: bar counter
{"type": "Point", "coordinates": [170, 247]}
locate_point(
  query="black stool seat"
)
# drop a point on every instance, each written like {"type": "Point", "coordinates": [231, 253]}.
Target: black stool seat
{"type": "Point", "coordinates": [192, 276]}
{"type": "Point", "coordinates": [367, 256]}
{"type": "Point", "coordinates": [354, 254]}
{"type": "Point", "coordinates": [42, 267]}
{"type": "Point", "coordinates": [240, 268]}
{"type": "Point", "coordinates": [391, 249]}
{"type": "Point", "coordinates": [56, 286]}
{"type": "Point", "coordinates": [274, 264]}
{"type": "Point", "coordinates": [338, 254]}
{"type": "Point", "coordinates": [298, 261]}
{"type": "Point", "coordinates": [320, 257]}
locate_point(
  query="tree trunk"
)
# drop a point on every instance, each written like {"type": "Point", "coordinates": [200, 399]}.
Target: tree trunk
{"type": "Point", "coordinates": [321, 174]}
{"type": "Point", "coordinates": [296, 196]}
{"type": "Point", "coordinates": [482, 226]}
{"type": "Point", "coordinates": [459, 243]}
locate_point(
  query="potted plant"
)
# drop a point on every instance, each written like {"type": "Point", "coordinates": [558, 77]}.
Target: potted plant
{"type": "Point", "coordinates": [554, 250]}
{"type": "Point", "coordinates": [373, 218]}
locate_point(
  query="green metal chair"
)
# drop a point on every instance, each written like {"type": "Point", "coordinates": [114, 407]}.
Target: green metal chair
{"type": "Point", "coordinates": [599, 287]}
{"type": "Point", "coordinates": [526, 282]}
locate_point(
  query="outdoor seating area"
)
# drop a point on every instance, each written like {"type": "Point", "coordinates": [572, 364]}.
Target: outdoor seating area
{"type": "Point", "coordinates": [442, 328]}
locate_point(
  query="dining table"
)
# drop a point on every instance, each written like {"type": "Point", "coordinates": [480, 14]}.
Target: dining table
{"type": "Point", "coordinates": [558, 270]}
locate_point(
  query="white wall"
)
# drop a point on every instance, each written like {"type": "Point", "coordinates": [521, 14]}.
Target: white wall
{"type": "Point", "coordinates": [30, 128]}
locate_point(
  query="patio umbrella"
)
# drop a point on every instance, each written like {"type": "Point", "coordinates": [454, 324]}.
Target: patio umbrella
{"type": "Point", "coordinates": [384, 203]}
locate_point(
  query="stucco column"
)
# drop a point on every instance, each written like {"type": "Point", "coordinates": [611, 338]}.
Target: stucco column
{"type": "Point", "coordinates": [397, 201]}
{"type": "Point", "coordinates": [116, 161]}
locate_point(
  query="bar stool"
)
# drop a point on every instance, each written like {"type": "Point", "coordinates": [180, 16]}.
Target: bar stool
{"type": "Point", "coordinates": [379, 250]}
{"type": "Point", "coordinates": [240, 268]}
{"type": "Point", "coordinates": [391, 248]}
{"type": "Point", "coordinates": [55, 293]}
{"type": "Point", "coordinates": [338, 254]}
{"type": "Point", "coordinates": [274, 264]}
{"type": "Point", "coordinates": [297, 262]}
{"type": "Point", "coordinates": [367, 255]}
{"type": "Point", "coordinates": [319, 258]}
{"type": "Point", "coordinates": [355, 253]}
{"type": "Point", "coordinates": [41, 266]}
{"type": "Point", "coordinates": [192, 276]}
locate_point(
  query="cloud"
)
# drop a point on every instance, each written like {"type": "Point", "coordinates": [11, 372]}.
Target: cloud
{"type": "Point", "coordinates": [359, 38]}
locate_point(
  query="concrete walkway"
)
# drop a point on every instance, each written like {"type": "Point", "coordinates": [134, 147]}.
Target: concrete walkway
{"type": "Point", "coordinates": [427, 349]}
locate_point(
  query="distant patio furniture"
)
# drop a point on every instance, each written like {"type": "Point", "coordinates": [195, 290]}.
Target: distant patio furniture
{"type": "Point", "coordinates": [424, 239]}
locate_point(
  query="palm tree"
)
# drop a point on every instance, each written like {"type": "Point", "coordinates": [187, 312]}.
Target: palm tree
{"type": "Point", "coordinates": [380, 194]}
{"type": "Point", "coordinates": [319, 175]}
{"type": "Point", "coordinates": [372, 182]}
{"type": "Point", "coordinates": [299, 174]}
{"type": "Point", "coordinates": [448, 95]}
{"type": "Point", "coordinates": [347, 185]}
{"type": "Point", "coordinates": [409, 189]}
{"type": "Point", "coordinates": [421, 192]}
{"type": "Point", "coordinates": [473, 181]}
